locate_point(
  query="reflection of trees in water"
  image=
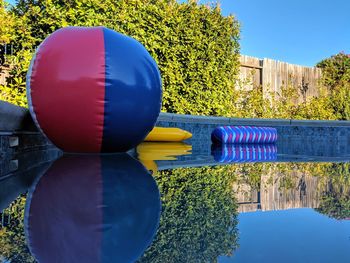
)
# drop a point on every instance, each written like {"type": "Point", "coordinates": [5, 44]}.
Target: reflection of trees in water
{"type": "Point", "coordinates": [12, 239]}
{"type": "Point", "coordinates": [335, 205]}
{"type": "Point", "coordinates": [199, 218]}
{"type": "Point", "coordinates": [198, 221]}
{"type": "Point", "coordinates": [335, 196]}
{"type": "Point", "coordinates": [198, 205]}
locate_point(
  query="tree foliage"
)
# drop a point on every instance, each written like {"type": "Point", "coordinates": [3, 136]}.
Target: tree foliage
{"type": "Point", "coordinates": [254, 104]}
{"type": "Point", "coordinates": [336, 77]}
{"type": "Point", "coordinates": [7, 23]}
{"type": "Point", "coordinates": [335, 70]}
{"type": "Point", "coordinates": [195, 47]}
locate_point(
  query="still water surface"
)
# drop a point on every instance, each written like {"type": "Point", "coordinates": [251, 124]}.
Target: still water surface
{"type": "Point", "coordinates": [163, 203]}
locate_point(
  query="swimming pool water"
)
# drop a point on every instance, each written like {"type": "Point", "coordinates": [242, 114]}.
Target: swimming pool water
{"type": "Point", "coordinates": [177, 203]}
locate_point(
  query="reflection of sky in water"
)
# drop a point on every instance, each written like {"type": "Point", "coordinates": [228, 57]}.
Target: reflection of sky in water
{"type": "Point", "coordinates": [297, 235]}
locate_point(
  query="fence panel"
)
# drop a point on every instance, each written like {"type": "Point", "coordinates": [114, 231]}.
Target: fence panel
{"type": "Point", "coordinates": [273, 75]}
{"type": "Point", "coordinates": [251, 67]}
{"type": "Point", "coordinates": [5, 49]}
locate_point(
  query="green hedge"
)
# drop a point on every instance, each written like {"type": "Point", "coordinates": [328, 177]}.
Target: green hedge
{"type": "Point", "coordinates": [335, 70]}
{"type": "Point", "coordinates": [195, 47]}
{"type": "Point", "coordinates": [336, 77]}
{"type": "Point", "coordinates": [6, 22]}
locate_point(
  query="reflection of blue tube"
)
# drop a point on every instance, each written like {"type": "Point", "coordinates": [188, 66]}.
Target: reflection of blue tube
{"type": "Point", "coordinates": [233, 153]}
{"type": "Point", "coordinates": [244, 134]}
{"type": "Point", "coordinates": [92, 209]}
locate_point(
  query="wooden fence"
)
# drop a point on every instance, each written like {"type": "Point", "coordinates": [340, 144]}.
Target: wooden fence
{"type": "Point", "coordinates": [4, 67]}
{"type": "Point", "coordinates": [4, 71]}
{"type": "Point", "coordinates": [272, 75]}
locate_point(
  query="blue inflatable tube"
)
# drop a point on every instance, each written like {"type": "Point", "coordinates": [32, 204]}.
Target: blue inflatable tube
{"type": "Point", "coordinates": [233, 153]}
{"type": "Point", "coordinates": [243, 134]}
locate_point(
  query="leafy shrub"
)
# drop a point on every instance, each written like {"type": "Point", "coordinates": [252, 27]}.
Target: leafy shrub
{"type": "Point", "coordinates": [13, 94]}
{"type": "Point", "coordinates": [7, 23]}
{"type": "Point", "coordinates": [195, 47]}
{"type": "Point", "coordinates": [335, 70]}
{"type": "Point", "coordinates": [254, 104]}
{"type": "Point", "coordinates": [336, 77]}
{"type": "Point", "coordinates": [331, 104]}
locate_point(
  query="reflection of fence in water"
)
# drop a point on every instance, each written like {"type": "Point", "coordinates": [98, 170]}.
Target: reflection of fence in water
{"type": "Point", "coordinates": [2, 55]}
{"type": "Point", "coordinates": [5, 217]}
{"type": "Point", "coordinates": [271, 195]}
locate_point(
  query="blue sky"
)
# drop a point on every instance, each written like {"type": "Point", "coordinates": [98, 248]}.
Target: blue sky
{"type": "Point", "coordinates": [296, 31]}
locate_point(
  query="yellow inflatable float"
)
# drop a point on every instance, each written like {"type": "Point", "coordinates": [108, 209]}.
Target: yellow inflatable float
{"type": "Point", "coordinates": [149, 152]}
{"type": "Point", "coordinates": [161, 134]}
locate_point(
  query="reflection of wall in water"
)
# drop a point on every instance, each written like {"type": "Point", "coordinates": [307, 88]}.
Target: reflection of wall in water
{"type": "Point", "coordinates": [273, 193]}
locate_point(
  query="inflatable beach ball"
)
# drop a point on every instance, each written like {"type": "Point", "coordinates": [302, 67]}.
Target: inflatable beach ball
{"type": "Point", "coordinates": [93, 90]}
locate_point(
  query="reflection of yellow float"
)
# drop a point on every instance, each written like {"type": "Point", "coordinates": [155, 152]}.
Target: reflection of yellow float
{"type": "Point", "coordinates": [149, 152]}
{"type": "Point", "coordinates": [160, 134]}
